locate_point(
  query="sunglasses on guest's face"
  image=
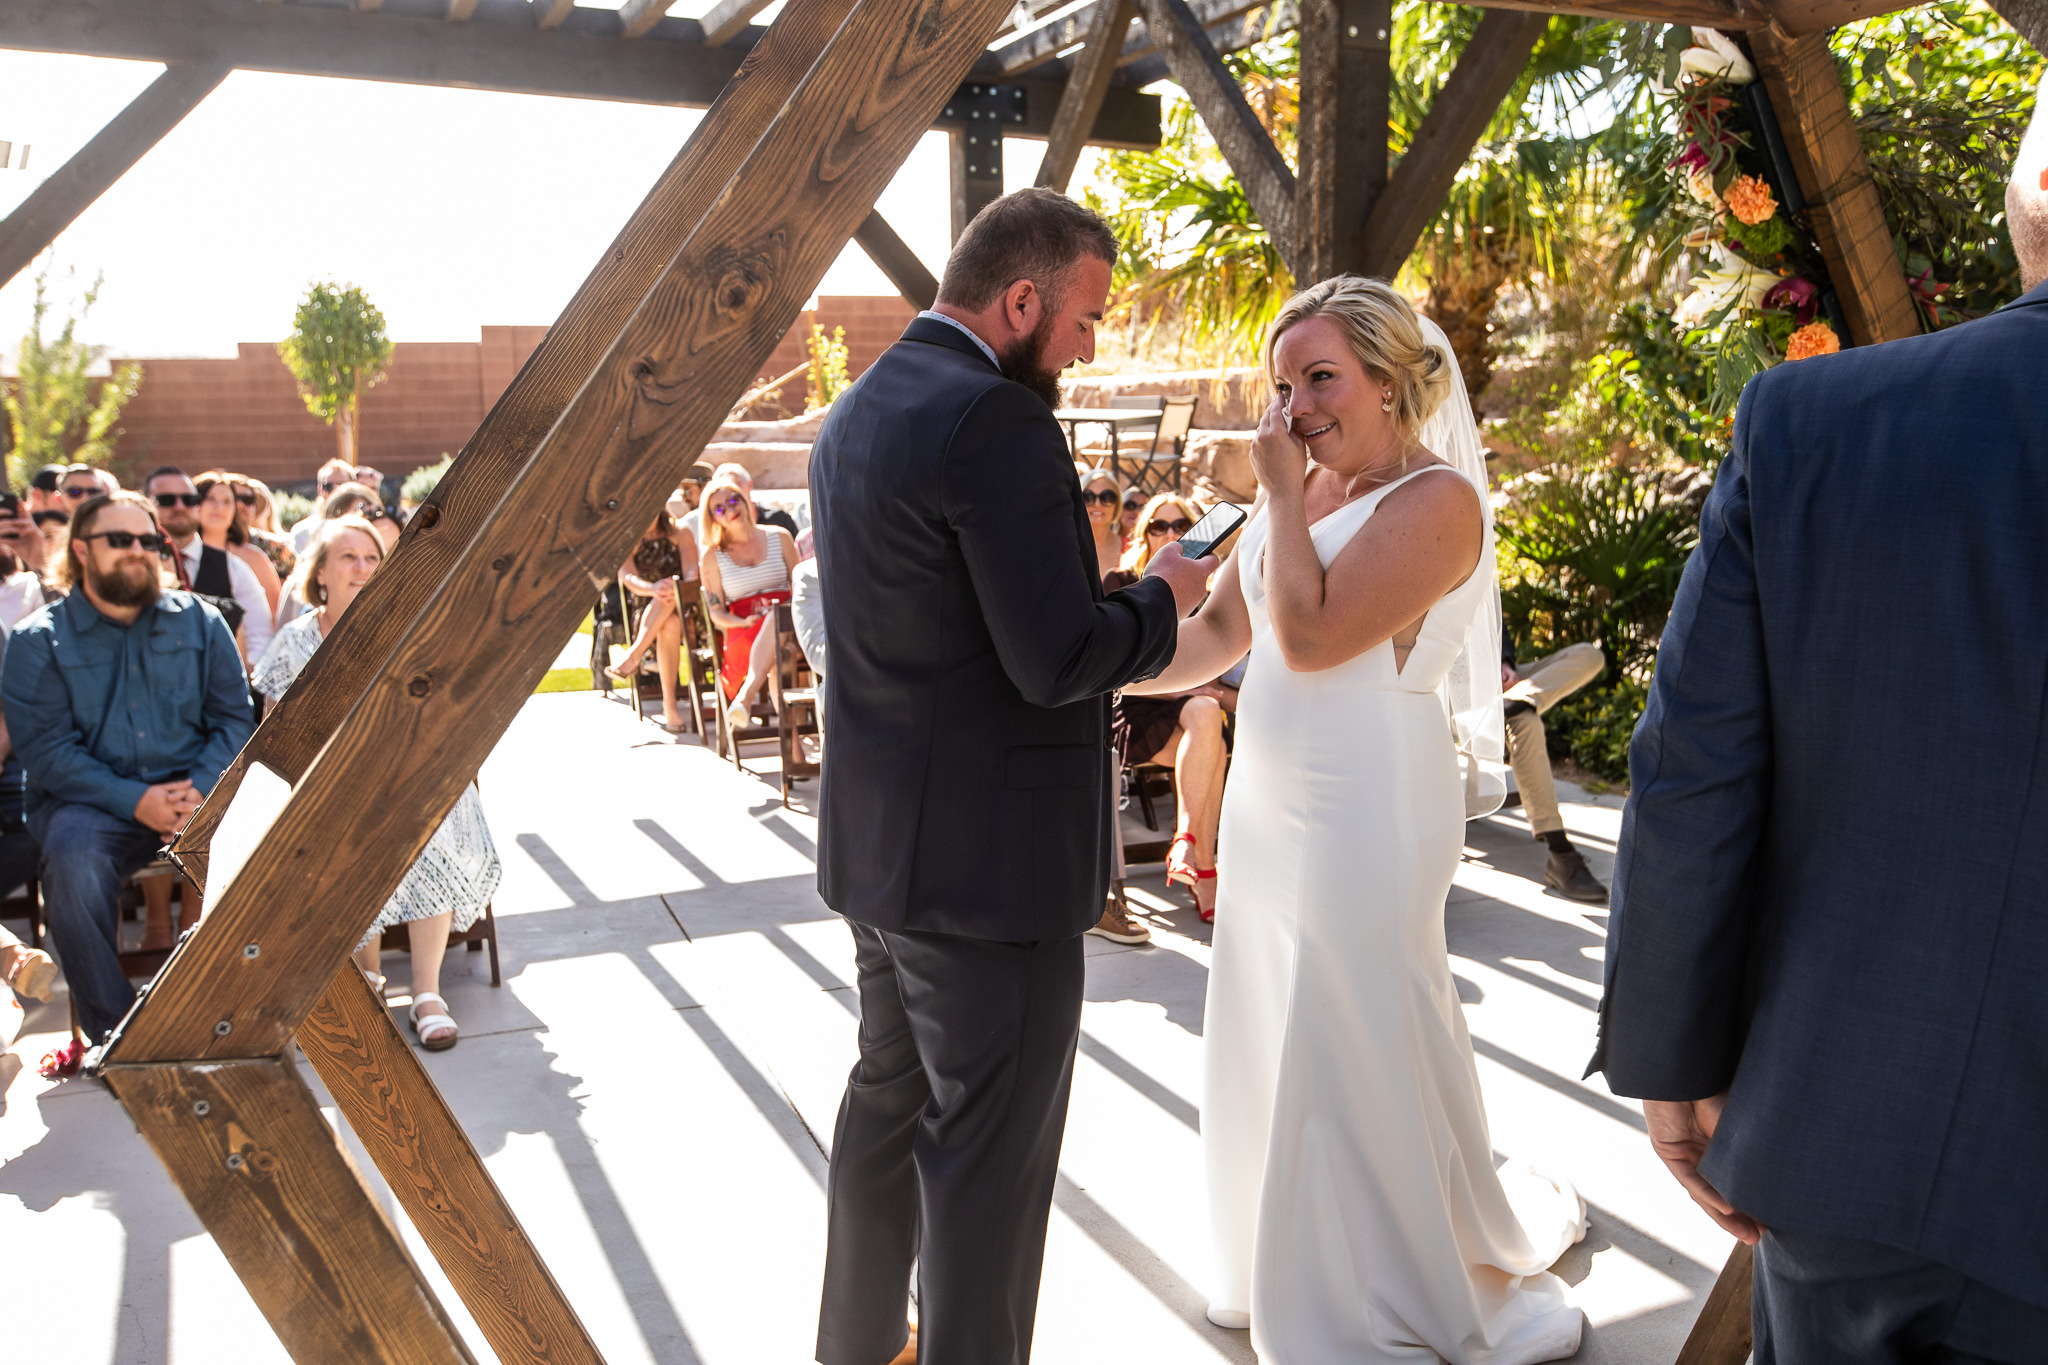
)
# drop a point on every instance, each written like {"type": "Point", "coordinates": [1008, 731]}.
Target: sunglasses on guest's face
{"type": "Point", "coordinates": [726, 507]}
{"type": "Point", "coordinates": [1107, 497]}
{"type": "Point", "coordinates": [1159, 526]}
{"type": "Point", "coordinates": [174, 499]}
{"type": "Point", "coordinates": [127, 540]}
{"type": "Point", "coordinates": [91, 492]}
{"type": "Point", "coordinates": [247, 499]}
{"type": "Point", "coordinates": [1133, 504]}
{"type": "Point", "coordinates": [48, 515]}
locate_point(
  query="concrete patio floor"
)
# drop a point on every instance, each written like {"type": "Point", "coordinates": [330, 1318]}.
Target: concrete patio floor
{"type": "Point", "coordinates": [654, 1088]}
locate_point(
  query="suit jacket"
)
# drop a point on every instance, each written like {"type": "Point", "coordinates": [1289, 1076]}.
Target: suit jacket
{"type": "Point", "coordinates": [968, 787]}
{"type": "Point", "coordinates": [1831, 898]}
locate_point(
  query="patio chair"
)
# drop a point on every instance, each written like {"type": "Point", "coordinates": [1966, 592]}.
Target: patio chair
{"type": "Point", "coordinates": [728, 743]}
{"type": "Point", "coordinates": [479, 936]}
{"type": "Point", "coordinates": [1159, 468]}
{"type": "Point", "coordinates": [699, 680]}
{"type": "Point", "coordinates": [795, 690]}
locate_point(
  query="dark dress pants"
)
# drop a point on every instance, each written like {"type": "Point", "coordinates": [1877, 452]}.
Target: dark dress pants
{"type": "Point", "coordinates": [1833, 1301]}
{"type": "Point", "coordinates": [947, 1146]}
{"type": "Point", "coordinates": [87, 854]}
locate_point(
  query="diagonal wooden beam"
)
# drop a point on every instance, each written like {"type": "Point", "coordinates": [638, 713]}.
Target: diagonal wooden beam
{"type": "Point", "coordinates": [894, 258]}
{"type": "Point", "coordinates": [70, 189]}
{"type": "Point", "coordinates": [637, 16]}
{"type": "Point", "coordinates": [462, 668]}
{"type": "Point", "coordinates": [384, 1092]}
{"type": "Point", "coordinates": [1841, 200]}
{"type": "Point", "coordinates": [245, 1144]}
{"type": "Point", "coordinates": [296, 729]}
{"type": "Point", "coordinates": [1487, 71]}
{"type": "Point", "coordinates": [1721, 1333]}
{"type": "Point", "coordinates": [1082, 101]}
{"type": "Point", "coordinates": [551, 13]}
{"type": "Point", "coordinates": [727, 19]}
{"type": "Point", "coordinates": [1267, 180]}
{"type": "Point", "coordinates": [1043, 44]}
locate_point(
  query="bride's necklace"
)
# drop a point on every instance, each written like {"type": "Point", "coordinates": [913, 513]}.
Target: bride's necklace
{"type": "Point", "coordinates": [1374, 476]}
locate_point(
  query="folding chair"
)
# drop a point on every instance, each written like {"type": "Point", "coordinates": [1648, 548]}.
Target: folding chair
{"type": "Point", "coordinates": [479, 936]}
{"type": "Point", "coordinates": [1169, 441]}
{"type": "Point", "coordinates": [795, 690]}
{"type": "Point", "coordinates": [728, 743]}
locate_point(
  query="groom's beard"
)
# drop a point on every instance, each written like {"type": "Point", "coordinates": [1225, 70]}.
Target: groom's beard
{"type": "Point", "coordinates": [1025, 364]}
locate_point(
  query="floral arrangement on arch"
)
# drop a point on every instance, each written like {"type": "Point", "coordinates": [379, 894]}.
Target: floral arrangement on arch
{"type": "Point", "coordinates": [1759, 301]}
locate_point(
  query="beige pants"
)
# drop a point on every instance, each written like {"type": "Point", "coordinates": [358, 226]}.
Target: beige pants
{"type": "Point", "coordinates": [1543, 684]}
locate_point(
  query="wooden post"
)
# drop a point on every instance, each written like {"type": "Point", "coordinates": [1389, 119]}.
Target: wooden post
{"type": "Point", "coordinates": [1721, 1335]}
{"type": "Point", "coordinates": [1346, 84]}
{"type": "Point", "coordinates": [1841, 201]}
{"type": "Point", "coordinates": [975, 149]}
{"type": "Point", "coordinates": [1487, 70]}
{"type": "Point", "coordinates": [70, 189]}
{"type": "Point", "coordinates": [1082, 100]}
{"type": "Point", "coordinates": [894, 258]}
{"type": "Point", "coordinates": [246, 1145]}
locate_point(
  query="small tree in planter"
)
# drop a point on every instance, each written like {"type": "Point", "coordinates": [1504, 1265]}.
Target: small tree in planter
{"type": "Point", "coordinates": [53, 414]}
{"type": "Point", "coordinates": [337, 351]}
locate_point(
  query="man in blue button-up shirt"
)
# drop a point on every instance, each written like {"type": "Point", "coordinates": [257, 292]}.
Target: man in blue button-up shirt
{"type": "Point", "coordinates": [125, 702]}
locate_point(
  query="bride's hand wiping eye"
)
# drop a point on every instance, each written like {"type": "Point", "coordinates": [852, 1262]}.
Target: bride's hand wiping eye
{"type": "Point", "coordinates": [1279, 457]}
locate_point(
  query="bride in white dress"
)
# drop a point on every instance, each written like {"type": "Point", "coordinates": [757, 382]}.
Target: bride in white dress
{"type": "Point", "coordinates": [1357, 1214]}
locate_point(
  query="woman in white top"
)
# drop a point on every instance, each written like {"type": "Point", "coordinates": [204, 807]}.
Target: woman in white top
{"type": "Point", "coordinates": [745, 568]}
{"type": "Point", "coordinates": [458, 870]}
{"type": "Point", "coordinates": [1355, 1208]}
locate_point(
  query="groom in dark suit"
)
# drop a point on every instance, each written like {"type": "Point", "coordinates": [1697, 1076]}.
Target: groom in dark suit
{"type": "Point", "coordinates": [966, 811]}
{"type": "Point", "coordinates": [1827, 970]}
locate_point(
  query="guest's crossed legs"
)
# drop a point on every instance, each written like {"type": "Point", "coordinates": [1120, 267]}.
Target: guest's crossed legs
{"type": "Point", "coordinates": [87, 853]}
{"type": "Point", "coordinates": [955, 1109]}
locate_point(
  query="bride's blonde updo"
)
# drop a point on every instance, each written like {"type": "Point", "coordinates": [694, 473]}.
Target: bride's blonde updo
{"type": "Point", "coordinates": [1385, 335]}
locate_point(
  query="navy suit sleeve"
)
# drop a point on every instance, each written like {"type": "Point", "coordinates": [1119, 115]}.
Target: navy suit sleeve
{"type": "Point", "coordinates": [1009, 494]}
{"type": "Point", "coordinates": [1671, 1022]}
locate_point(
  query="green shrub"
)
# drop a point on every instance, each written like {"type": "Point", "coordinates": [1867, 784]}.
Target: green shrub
{"type": "Point", "coordinates": [292, 508]}
{"type": "Point", "coordinates": [421, 483]}
{"type": "Point", "coordinates": [1593, 728]}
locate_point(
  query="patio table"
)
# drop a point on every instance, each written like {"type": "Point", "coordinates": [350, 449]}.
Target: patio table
{"type": "Point", "coordinates": [1116, 419]}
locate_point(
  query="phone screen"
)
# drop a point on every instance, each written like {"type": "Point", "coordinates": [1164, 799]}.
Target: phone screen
{"type": "Point", "coordinates": [1203, 536]}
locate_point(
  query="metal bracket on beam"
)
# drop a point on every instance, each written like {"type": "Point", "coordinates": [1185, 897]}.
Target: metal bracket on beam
{"type": "Point", "coordinates": [983, 111]}
{"type": "Point", "coordinates": [1365, 26]}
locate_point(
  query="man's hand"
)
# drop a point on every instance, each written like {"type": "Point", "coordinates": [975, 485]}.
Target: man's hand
{"type": "Point", "coordinates": [166, 806]}
{"type": "Point", "coordinates": [1680, 1131]}
{"type": "Point", "coordinates": [1508, 676]}
{"type": "Point", "coordinates": [1189, 578]}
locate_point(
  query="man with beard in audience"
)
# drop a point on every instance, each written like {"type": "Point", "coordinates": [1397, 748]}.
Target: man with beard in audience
{"type": "Point", "coordinates": [124, 703]}
{"type": "Point", "coordinates": [206, 569]}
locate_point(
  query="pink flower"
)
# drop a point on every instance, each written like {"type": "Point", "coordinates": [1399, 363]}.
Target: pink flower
{"type": "Point", "coordinates": [1801, 297]}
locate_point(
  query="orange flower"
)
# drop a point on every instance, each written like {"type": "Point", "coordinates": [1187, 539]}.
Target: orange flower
{"type": "Point", "coordinates": [1749, 199]}
{"type": "Point", "coordinates": [1815, 338]}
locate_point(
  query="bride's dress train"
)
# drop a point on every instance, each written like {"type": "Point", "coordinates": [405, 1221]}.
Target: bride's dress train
{"type": "Point", "coordinates": [1356, 1210]}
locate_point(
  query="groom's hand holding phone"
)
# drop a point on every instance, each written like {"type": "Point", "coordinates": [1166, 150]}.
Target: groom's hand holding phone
{"type": "Point", "coordinates": [1189, 578]}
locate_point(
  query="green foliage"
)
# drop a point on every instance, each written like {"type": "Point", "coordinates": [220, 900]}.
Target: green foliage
{"type": "Point", "coordinates": [56, 412]}
{"type": "Point", "coordinates": [1593, 728]}
{"type": "Point", "coordinates": [292, 508]}
{"type": "Point", "coordinates": [337, 352]}
{"type": "Point", "coordinates": [420, 484]}
{"type": "Point", "coordinates": [827, 378]}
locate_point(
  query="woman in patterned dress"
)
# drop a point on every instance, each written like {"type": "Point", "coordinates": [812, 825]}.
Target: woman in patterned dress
{"type": "Point", "coordinates": [654, 572]}
{"type": "Point", "coordinates": [458, 870]}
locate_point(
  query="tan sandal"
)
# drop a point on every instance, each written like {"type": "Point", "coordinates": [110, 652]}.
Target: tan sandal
{"type": "Point", "coordinates": [34, 973]}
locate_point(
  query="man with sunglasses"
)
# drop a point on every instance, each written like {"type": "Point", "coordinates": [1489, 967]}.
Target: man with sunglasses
{"type": "Point", "coordinates": [124, 703]}
{"type": "Point", "coordinates": [207, 569]}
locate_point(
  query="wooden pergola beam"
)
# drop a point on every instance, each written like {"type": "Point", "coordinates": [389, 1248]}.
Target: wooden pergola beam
{"type": "Point", "coordinates": [1086, 87]}
{"type": "Point", "coordinates": [1043, 44]}
{"type": "Point", "coordinates": [460, 10]}
{"type": "Point", "coordinates": [1253, 159]}
{"type": "Point", "coordinates": [583, 58]}
{"type": "Point", "coordinates": [1487, 71]}
{"type": "Point", "coordinates": [1800, 17]}
{"type": "Point", "coordinates": [71, 189]}
{"type": "Point", "coordinates": [894, 258]}
{"type": "Point", "coordinates": [637, 16]}
{"type": "Point", "coordinates": [727, 19]}
{"type": "Point", "coordinates": [1346, 88]}
{"type": "Point", "coordinates": [550, 13]}
{"type": "Point", "coordinates": [1841, 199]}
{"type": "Point", "coordinates": [2029, 17]}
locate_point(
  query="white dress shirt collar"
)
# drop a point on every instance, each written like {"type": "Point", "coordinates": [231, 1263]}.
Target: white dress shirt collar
{"type": "Point", "coordinates": [967, 332]}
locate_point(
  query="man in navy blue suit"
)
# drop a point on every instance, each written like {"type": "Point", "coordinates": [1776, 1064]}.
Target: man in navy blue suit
{"type": "Point", "coordinates": [1827, 970]}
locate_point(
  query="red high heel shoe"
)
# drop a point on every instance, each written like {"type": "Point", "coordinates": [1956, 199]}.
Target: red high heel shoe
{"type": "Point", "coordinates": [1179, 869]}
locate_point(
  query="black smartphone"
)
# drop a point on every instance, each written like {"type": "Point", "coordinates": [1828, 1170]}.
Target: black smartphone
{"type": "Point", "coordinates": [1211, 530]}
{"type": "Point", "coordinates": [10, 505]}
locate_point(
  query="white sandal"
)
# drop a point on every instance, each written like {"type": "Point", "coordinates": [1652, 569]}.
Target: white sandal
{"type": "Point", "coordinates": [437, 1032]}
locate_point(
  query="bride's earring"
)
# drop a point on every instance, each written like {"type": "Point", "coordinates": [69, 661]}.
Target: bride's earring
{"type": "Point", "coordinates": [1387, 401]}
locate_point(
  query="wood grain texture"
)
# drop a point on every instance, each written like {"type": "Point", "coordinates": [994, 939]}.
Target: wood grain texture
{"type": "Point", "coordinates": [71, 189]}
{"type": "Point", "coordinates": [1341, 152]}
{"type": "Point", "coordinates": [1841, 199]}
{"type": "Point", "coordinates": [471, 656]}
{"type": "Point", "coordinates": [1043, 44]}
{"type": "Point", "coordinates": [2029, 17]}
{"type": "Point", "coordinates": [247, 1147]}
{"type": "Point", "coordinates": [724, 20]}
{"type": "Point", "coordinates": [1086, 87]}
{"type": "Point", "coordinates": [1721, 1336]}
{"type": "Point", "coordinates": [387, 1097]}
{"type": "Point", "coordinates": [1721, 14]}
{"type": "Point", "coordinates": [637, 16]}
{"type": "Point", "coordinates": [1801, 17]}
{"type": "Point", "coordinates": [1253, 159]}
{"type": "Point", "coordinates": [1486, 72]}
{"type": "Point", "coordinates": [894, 258]}
{"type": "Point", "coordinates": [296, 729]}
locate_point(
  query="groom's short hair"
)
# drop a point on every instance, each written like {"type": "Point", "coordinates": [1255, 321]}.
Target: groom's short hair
{"type": "Point", "coordinates": [2026, 195]}
{"type": "Point", "coordinates": [1037, 235]}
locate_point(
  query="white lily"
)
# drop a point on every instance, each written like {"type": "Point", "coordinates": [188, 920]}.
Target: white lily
{"type": "Point", "coordinates": [1730, 279]}
{"type": "Point", "coordinates": [1713, 55]}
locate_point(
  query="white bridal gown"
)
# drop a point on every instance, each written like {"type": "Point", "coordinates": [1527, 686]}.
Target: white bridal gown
{"type": "Point", "coordinates": [1357, 1214]}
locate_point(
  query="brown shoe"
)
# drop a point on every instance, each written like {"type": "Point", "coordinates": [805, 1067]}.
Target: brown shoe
{"type": "Point", "coordinates": [908, 1355]}
{"type": "Point", "coordinates": [1568, 875]}
{"type": "Point", "coordinates": [1118, 926]}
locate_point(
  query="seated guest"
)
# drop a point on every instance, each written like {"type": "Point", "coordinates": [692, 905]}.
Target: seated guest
{"type": "Point", "coordinates": [350, 499]}
{"type": "Point", "coordinates": [1100, 495]}
{"type": "Point", "coordinates": [652, 572]}
{"type": "Point", "coordinates": [1134, 503]}
{"type": "Point", "coordinates": [1184, 730]}
{"type": "Point", "coordinates": [29, 971]}
{"type": "Point", "coordinates": [685, 509]}
{"type": "Point", "coordinates": [334, 474]}
{"type": "Point", "coordinates": [42, 492]}
{"type": "Point", "coordinates": [208, 570]}
{"type": "Point", "coordinates": [458, 869]}
{"type": "Point", "coordinates": [807, 613]}
{"type": "Point", "coordinates": [224, 525]}
{"type": "Point", "coordinates": [80, 481]}
{"type": "Point", "coordinates": [1526, 693]}
{"type": "Point", "coordinates": [23, 559]}
{"type": "Point", "coordinates": [774, 516]}
{"type": "Point", "coordinates": [124, 702]}
{"type": "Point", "coordinates": [745, 568]}
{"type": "Point", "coordinates": [259, 511]}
